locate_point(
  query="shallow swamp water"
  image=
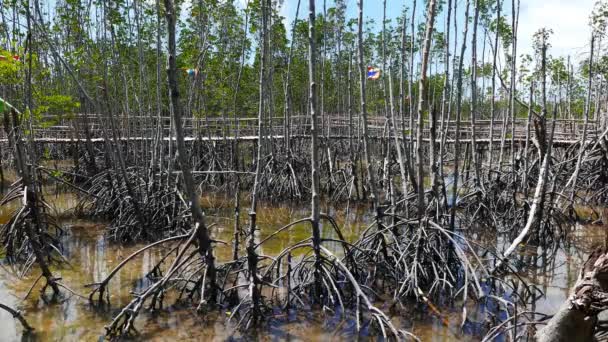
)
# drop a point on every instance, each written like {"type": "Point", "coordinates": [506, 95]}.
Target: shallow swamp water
{"type": "Point", "coordinates": [92, 256]}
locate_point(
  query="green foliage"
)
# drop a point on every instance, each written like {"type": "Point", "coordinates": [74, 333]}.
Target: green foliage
{"type": "Point", "coordinates": [599, 18]}
{"type": "Point", "coordinates": [557, 70]}
{"type": "Point", "coordinates": [122, 58]}
{"type": "Point", "coordinates": [541, 40]}
{"type": "Point", "coordinates": [53, 108]}
{"type": "Point", "coordinates": [504, 30]}
{"type": "Point", "coordinates": [10, 70]}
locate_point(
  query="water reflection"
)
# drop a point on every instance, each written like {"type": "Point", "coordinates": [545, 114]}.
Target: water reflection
{"type": "Point", "coordinates": [92, 256]}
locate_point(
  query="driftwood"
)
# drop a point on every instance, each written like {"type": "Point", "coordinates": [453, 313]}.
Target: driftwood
{"type": "Point", "coordinates": [577, 318]}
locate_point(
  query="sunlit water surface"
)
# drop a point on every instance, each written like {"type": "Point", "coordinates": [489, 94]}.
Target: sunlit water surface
{"type": "Point", "coordinates": [92, 256]}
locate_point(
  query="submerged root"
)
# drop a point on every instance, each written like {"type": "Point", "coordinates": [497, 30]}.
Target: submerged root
{"type": "Point", "coordinates": [100, 288]}
{"type": "Point", "coordinates": [17, 315]}
{"type": "Point", "coordinates": [184, 266]}
{"type": "Point", "coordinates": [162, 206]}
{"type": "Point", "coordinates": [282, 177]}
{"type": "Point", "coordinates": [31, 236]}
{"type": "Point", "coordinates": [333, 283]}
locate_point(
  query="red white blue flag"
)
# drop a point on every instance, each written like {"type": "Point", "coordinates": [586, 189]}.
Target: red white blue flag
{"type": "Point", "coordinates": [373, 73]}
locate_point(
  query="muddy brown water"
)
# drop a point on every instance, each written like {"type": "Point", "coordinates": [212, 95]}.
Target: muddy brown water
{"type": "Point", "coordinates": [92, 256]}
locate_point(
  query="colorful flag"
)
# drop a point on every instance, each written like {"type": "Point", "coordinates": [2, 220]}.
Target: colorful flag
{"type": "Point", "coordinates": [373, 73]}
{"type": "Point", "coordinates": [14, 58]}
{"type": "Point", "coordinates": [191, 72]}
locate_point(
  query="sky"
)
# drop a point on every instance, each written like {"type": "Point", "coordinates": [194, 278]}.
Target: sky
{"type": "Point", "coordinates": [567, 18]}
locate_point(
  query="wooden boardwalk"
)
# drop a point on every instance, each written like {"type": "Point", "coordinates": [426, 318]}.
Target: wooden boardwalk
{"type": "Point", "coordinates": [133, 129]}
{"type": "Point", "coordinates": [518, 140]}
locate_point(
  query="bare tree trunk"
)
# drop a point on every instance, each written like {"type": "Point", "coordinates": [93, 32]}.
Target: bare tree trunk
{"type": "Point", "coordinates": [314, 160]}
{"type": "Point", "coordinates": [30, 198]}
{"type": "Point", "coordinates": [237, 86]}
{"type": "Point", "coordinates": [386, 142]}
{"type": "Point", "coordinates": [115, 145]}
{"type": "Point", "coordinates": [458, 116]}
{"type": "Point", "coordinates": [445, 101]}
{"type": "Point", "coordinates": [581, 151]}
{"type": "Point", "coordinates": [569, 90]}
{"type": "Point", "coordinates": [474, 98]}
{"type": "Point", "coordinates": [513, 115]}
{"type": "Point", "coordinates": [493, 103]}
{"type": "Point", "coordinates": [401, 158]}
{"type": "Point", "coordinates": [545, 147]}
{"type": "Point", "coordinates": [252, 257]}
{"type": "Point", "coordinates": [411, 78]}
{"type": "Point", "coordinates": [351, 148]}
{"type": "Point", "coordinates": [450, 99]}
{"type": "Point", "coordinates": [369, 163]}
{"type": "Point", "coordinates": [421, 105]}
{"type": "Point", "coordinates": [198, 217]}
{"type": "Point", "coordinates": [527, 144]}
{"type": "Point", "coordinates": [31, 193]}
{"type": "Point", "coordinates": [158, 143]}
{"type": "Point", "coordinates": [287, 99]}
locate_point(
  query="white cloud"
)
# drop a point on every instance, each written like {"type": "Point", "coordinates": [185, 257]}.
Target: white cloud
{"type": "Point", "coordinates": [567, 18]}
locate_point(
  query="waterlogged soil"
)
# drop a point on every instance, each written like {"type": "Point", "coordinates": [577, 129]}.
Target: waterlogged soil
{"type": "Point", "coordinates": [92, 256]}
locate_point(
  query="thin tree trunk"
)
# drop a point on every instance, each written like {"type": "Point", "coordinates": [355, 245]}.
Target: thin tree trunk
{"type": "Point", "coordinates": [421, 106]}
{"type": "Point", "coordinates": [581, 151]}
{"type": "Point", "coordinates": [288, 109]}
{"type": "Point", "coordinates": [237, 86]}
{"type": "Point", "coordinates": [393, 124]}
{"type": "Point", "coordinates": [252, 257]}
{"type": "Point", "coordinates": [458, 116]}
{"type": "Point", "coordinates": [369, 163]}
{"type": "Point", "coordinates": [411, 76]}
{"type": "Point", "coordinates": [198, 217]}
{"type": "Point", "coordinates": [527, 145]}
{"type": "Point", "coordinates": [513, 114]}
{"type": "Point", "coordinates": [493, 103]}
{"type": "Point", "coordinates": [402, 68]}
{"type": "Point", "coordinates": [474, 98]}
{"type": "Point", "coordinates": [314, 160]}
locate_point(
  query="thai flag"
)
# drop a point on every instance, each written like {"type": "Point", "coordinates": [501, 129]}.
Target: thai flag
{"type": "Point", "coordinates": [373, 73]}
{"type": "Point", "coordinates": [4, 58]}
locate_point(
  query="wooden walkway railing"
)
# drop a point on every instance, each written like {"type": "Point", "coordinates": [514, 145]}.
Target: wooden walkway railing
{"type": "Point", "coordinates": [334, 127]}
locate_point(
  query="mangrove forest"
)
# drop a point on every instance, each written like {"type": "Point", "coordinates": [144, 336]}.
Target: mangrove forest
{"type": "Point", "coordinates": [304, 170]}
